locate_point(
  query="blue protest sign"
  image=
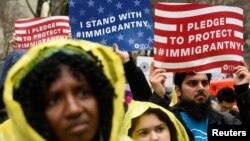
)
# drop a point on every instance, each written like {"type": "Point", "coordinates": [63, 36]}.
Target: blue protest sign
{"type": "Point", "coordinates": [125, 22]}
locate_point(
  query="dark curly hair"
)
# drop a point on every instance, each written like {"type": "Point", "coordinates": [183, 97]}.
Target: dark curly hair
{"type": "Point", "coordinates": [31, 92]}
{"type": "Point", "coordinates": [162, 116]}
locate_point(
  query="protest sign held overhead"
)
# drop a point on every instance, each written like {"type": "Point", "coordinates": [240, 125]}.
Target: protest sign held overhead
{"type": "Point", "coordinates": [127, 23]}
{"type": "Point", "coordinates": [33, 31]}
{"type": "Point", "coordinates": [198, 37]}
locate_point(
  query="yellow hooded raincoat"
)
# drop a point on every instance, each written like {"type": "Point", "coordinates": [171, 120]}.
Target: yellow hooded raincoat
{"type": "Point", "coordinates": [137, 108]}
{"type": "Point", "coordinates": [17, 128]}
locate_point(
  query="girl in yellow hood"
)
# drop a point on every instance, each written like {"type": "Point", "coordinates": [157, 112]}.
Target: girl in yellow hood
{"type": "Point", "coordinates": [145, 121]}
{"type": "Point", "coordinates": [64, 90]}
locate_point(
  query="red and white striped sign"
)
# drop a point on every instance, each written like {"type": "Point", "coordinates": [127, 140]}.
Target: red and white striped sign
{"type": "Point", "coordinates": [198, 37]}
{"type": "Point", "coordinates": [33, 31]}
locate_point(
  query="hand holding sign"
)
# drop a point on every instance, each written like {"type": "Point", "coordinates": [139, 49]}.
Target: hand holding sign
{"type": "Point", "coordinates": [123, 54]}
{"type": "Point", "coordinates": [13, 41]}
{"type": "Point", "coordinates": [157, 80]}
{"type": "Point", "coordinates": [242, 74]}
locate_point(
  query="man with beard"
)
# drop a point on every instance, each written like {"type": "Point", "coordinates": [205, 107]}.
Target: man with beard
{"type": "Point", "coordinates": [194, 108]}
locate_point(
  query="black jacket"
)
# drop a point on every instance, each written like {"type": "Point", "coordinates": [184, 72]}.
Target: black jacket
{"type": "Point", "coordinates": [141, 91]}
{"type": "Point", "coordinates": [137, 81]}
{"type": "Point", "coordinates": [215, 118]}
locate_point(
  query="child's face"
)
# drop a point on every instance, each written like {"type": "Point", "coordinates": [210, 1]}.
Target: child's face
{"type": "Point", "coordinates": [71, 108]}
{"type": "Point", "coordinates": [150, 128]}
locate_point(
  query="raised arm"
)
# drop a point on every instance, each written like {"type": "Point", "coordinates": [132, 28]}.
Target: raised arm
{"type": "Point", "coordinates": [241, 85]}
{"type": "Point", "coordinates": [157, 80]}
{"type": "Point", "coordinates": [13, 41]}
{"type": "Point", "coordinates": [135, 77]}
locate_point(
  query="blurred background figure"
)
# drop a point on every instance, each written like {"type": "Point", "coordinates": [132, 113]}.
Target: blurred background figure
{"type": "Point", "coordinates": [226, 99]}
{"type": "Point", "coordinates": [12, 57]}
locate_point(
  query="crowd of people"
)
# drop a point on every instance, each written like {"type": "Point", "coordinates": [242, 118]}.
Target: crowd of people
{"type": "Point", "coordinates": [74, 90]}
{"type": "Point", "coordinates": [194, 109]}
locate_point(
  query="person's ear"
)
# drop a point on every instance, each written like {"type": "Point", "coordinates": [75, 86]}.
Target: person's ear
{"type": "Point", "coordinates": [177, 90]}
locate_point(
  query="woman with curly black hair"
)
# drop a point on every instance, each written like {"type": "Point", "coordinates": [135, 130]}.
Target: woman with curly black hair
{"type": "Point", "coordinates": [65, 91]}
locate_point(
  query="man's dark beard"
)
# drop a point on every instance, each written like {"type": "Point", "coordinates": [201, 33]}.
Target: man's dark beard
{"type": "Point", "coordinates": [197, 111]}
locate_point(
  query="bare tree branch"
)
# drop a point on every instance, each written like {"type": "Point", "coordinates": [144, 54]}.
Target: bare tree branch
{"type": "Point", "coordinates": [30, 8]}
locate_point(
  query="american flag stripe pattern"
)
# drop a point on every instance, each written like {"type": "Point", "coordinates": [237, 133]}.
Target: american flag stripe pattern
{"type": "Point", "coordinates": [197, 37]}
{"type": "Point", "coordinates": [32, 31]}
